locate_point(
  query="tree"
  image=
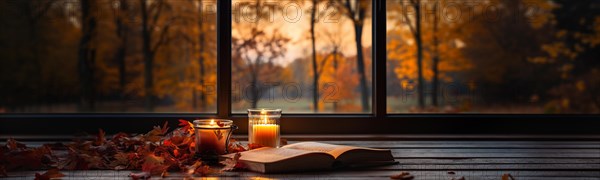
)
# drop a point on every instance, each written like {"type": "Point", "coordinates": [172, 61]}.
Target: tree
{"type": "Point", "coordinates": [356, 11]}
{"type": "Point", "coordinates": [446, 60]}
{"type": "Point", "coordinates": [436, 57]}
{"type": "Point", "coordinates": [122, 32]}
{"type": "Point", "coordinates": [334, 38]}
{"type": "Point", "coordinates": [313, 19]}
{"type": "Point", "coordinates": [87, 55]}
{"type": "Point", "coordinates": [151, 14]}
{"type": "Point", "coordinates": [416, 31]}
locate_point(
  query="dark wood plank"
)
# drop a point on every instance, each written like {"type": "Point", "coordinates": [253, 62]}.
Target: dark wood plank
{"type": "Point", "coordinates": [592, 161]}
{"type": "Point", "coordinates": [419, 174]}
{"type": "Point", "coordinates": [548, 159]}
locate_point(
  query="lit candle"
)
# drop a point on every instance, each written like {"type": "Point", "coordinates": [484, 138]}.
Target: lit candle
{"type": "Point", "coordinates": [211, 138]}
{"type": "Point", "coordinates": [265, 134]}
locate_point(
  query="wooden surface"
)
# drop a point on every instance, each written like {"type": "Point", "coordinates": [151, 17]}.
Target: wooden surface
{"type": "Point", "coordinates": [437, 159]}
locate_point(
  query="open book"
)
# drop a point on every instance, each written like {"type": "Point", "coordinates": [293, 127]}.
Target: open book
{"type": "Point", "coordinates": [308, 156]}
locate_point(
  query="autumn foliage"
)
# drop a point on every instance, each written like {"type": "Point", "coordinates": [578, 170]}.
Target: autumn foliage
{"type": "Point", "coordinates": [154, 154]}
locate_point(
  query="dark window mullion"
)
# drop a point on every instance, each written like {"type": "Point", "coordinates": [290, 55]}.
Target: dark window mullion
{"type": "Point", "coordinates": [379, 100]}
{"type": "Point", "coordinates": [224, 58]}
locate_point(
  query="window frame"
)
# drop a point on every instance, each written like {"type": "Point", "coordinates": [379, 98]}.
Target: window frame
{"type": "Point", "coordinates": [379, 121]}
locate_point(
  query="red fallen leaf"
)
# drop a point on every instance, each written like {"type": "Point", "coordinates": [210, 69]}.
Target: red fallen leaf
{"type": "Point", "coordinates": [50, 174]}
{"type": "Point", "coordinates": [118, 136]}
{"type": "Point", "coordinates": [156, 134]}
{"type": "Point", "coordinates": [233, 163]}
{"type": "Point", "coordinates": [76, 160]}
{"type": "Point", "coordinates": [187, 126]}
{"type": "Point", "coordinates": [100, 138]}
{"type": "Point", "coordinates": [13, 144]}
{"type": "Point", "coordinates": [254, 146]}
{"type": "Point", "coordinates": [32, 158]}
{"type": "Point", "coordinates": [176, 153]}
{"type": "Point", "coordinates": [140, 175]}
{"type": "Point", "coordinates": [402, 176]}
{"type": "Point", "coordinates": [153, 168]}
{"type": "Point", "coordinates": [199, 169]}
{"type": "Point", "coordinates": [235, 146]}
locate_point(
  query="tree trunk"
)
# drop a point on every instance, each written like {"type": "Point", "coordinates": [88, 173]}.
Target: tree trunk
{"type": "Point", "coordinates": [335, 69]}
{"type": "Point", "coordinates": [148, 59]}
{"type": "Point", "coordinates": [122, 31]}
{"type": "Point", "coordinates": [201, 60]}
{"type": "Point", "coordinates": [86, 56]}
{"type": "Point", "coordinates": [314, 58]}
{"type": "Point", "coordinates": [436, 59]}
{"type": "Point", "coordinates": [360, 65]}
{"type": "Point", "coordinates": [421, 86]}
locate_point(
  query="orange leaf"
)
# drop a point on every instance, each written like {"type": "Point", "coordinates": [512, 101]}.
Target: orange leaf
{"type": "Point", "coordinates": [187, 126]}
{"type": "Point", "coordinates": [232, 163]}
{"type": "Point", "coordinates": [154, 168]}
{"type": "Point", "coordinates": [140, 175]}
{"type": "Point", "coordinates": [13, 144]}
{"type": "Point", "coordinates": [254, 146]}
{"type": "Point", "coordinates": [50, 174]}
{"type": "Point", "coordinates": [100, 138]}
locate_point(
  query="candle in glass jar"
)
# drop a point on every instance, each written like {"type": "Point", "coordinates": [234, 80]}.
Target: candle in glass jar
{"type": "Point", "coordinates": [211, 139]}
{"type": "Point", "coordinates": [265, 134]}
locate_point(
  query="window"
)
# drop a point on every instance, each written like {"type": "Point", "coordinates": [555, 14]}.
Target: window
{"type": "Point", "coordinates": [515, 57]}
{"type": "Point", "coordinates": [107, 56]}
{"type": "Point", "coordinates": [501, 65]}
{"type": "Point", "coordinates": [274, 63]}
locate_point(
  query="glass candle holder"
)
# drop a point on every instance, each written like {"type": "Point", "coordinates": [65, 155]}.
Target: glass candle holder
{"type": "Point", "coordinates": [263, 127]}
{"type": "Point", "coordinates": [212, 137]}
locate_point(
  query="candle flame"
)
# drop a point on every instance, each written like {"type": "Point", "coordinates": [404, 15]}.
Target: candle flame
{"type": "Point", "coordinates": [264, 116]}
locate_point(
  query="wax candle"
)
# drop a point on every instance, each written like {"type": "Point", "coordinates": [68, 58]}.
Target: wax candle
{"type": "Point", "coordinates": [266, 134]}
{"type": "Point", "coordinates": [212, 136]}
{"type": "Point", "coordinates": [264, 127]}
{"type": "Point", "coordinates": [211, 139]}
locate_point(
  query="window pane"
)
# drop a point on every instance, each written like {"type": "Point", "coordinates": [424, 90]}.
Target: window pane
{"type": "Point", "coordinates": [274, 63]}
{"type": "Point", "coordinates": [499, 56]}
{"type": "Point", "coordinates": [63, 56]}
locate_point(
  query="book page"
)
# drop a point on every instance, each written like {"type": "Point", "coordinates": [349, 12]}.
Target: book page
{"type": "Point", "coordinates": [268, 155]}
{"type": "Point", "coordinates": [334, 150]}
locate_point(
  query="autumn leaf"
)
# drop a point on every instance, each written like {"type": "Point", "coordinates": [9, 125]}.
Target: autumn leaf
{"type": "Point", "coordinates": [186, 126]}
{"type": "Point", "coordinates": [13, 144]}
{"type": "Point", "coordinates": [120, 162]}
{"type": "Point", "coordinates": [198, 168]}
{"type": "Point", "coordinates": [153, 168]}
{"type": "Point", "coordinates": [100, 138]}
{"type": "Point", "coordinates": [50, 174]}
{"type": "Point", "coordinates": [231, 164]}
{"type": "Point", "coordinates": [402, 176]}
{"type": "Point", "coordinates": [33, 158]}
{"type": "Point", "coordinates": [254, 146]}
{"type": "Point", "coordinates": [140, 175]}
{"type": "Point", "coordinates": [76, 160]}
{"type": "Point", "coordinates": [235, 146]}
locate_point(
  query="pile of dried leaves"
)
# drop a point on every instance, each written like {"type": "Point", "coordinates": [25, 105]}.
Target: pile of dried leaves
{"type": "Point", "coordinates": [154, 153]}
